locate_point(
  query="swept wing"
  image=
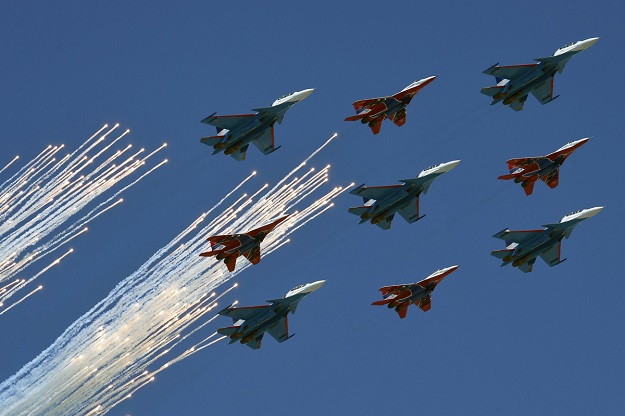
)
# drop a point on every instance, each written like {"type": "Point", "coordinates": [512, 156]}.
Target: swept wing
{"type": "Point", "coordinates": [265, 142]}
{"type": "Point", "coordinates": [229, 122]}
{"type": "Point", "coordinates": [552, 255]}
{"type": "Point", "coordinates": [518, 237]}
{"type": "Point", "coordinates": [410, 212]}
{"type": "Point", "coordinates": [509, 71]}
{"type": "Point", "coordinates": [544, 92]}
{"type": "Point", "coordinates": [385, 224]}
{"type": "Point", "coordinates": [280, 331]}
{"type": "Point", "coordinates": [256, 342]}
{"type": "Point", "coordinates": [552, 179]}
{"type": "Point", "coordinates": [253, 255]}
{"type": "Point", "coordinates": [245, 313]}
{"type": "Point", "coordinates": [375, 192]}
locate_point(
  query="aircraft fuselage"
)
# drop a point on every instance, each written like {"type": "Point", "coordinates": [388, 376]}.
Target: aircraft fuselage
{"type": "Point", "coordinates": [522, 86]}
{"type": "Point", "coordinates": [258, 325]}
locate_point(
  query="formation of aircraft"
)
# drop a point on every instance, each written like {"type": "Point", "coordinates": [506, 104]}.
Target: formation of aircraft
{"type": "Point", "coordinates": [523, 247]}
{"type": "Point", "coordinates": [527, 170]}
{"type": "Point", "coordinates": [402, 296]}
{"type": "Point", "coordinates": [373, 111]}
{"type": "Point", "coordinates": [236, 132]}
{"type": "Point", "coordinates": [382, 202]}
{"type": "Point", "coordinates": [516, 82]}
{"type": "Point", "coordinates": [250, 323]}
{"type": "Point", "coordinates": [229, 247]}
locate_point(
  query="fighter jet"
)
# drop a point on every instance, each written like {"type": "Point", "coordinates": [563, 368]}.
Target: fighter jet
{"type": "Point", "coordinates": [524, 246]}
{"type": "Point", "coordinates": [229, 247]}
{"type": "Point", "coordinates": [382, 202]}
{"type": "Point", "coordinates": [374, 110]}
{"type": "Point", "coordinates": [236, 132]}
{"type": "Point", "coordinates": [251, 322]}
{"type": "Point", "coordinates": [515, 82]}
{"type": "Point", "coordinates": [402, 296]}
{"type": "Point", "coordinates": [527, 170]}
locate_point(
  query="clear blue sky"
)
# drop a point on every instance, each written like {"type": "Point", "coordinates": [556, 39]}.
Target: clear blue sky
{"type": "Point", "coordinates": [496, 341]}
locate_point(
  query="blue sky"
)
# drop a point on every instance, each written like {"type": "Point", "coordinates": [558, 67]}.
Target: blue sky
{"type": "Point", "coordinates": [495, 341]}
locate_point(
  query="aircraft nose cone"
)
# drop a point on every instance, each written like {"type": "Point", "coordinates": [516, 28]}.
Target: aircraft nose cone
{"type": "Point", "coordinates": [585, 44]}
{"type": "Point", "coordinates": [300, 95]}
{"type": "Point", "coordinates": [428, 79]}
{"type": "Point", "coordinates": [446, 167]}
{"type": "Point", "coordinates": [315, 285]}
{"type": "Point", "coordinates": [591, 212]}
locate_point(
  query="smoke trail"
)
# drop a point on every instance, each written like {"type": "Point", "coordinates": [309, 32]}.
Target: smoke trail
{"type": "Point", "coordinates": [38, 202]}
{"type": "Point", "coordinates": [125, 340]}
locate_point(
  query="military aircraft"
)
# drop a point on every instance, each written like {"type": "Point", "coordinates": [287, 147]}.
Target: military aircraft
{"type": "Point", "coordinates": [382, 202]}
{"type": "Point", "coordinates": [251, 322]}
{"type": "Point", "coordinates": [515, 82]}
{"type": "Point", "coordinates": [374, 110]}
{"type": "Point", "coordinates": [236, 132]}
{"type": "Point", "coordinates": [522, 247]}
{"type": "Point", "coordinates": [402, 296]}
{"type": "Point", "coordinates": [527, 170]}
{"type": "Point", "coordinates": [244, 244]}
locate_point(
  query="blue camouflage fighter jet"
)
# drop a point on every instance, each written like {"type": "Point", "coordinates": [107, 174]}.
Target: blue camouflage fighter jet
{"type": "Point", "coordinates": [522, 247]}
{"type": "Point", "coordinates": [516, 82]}
{"type": "Point", "coordinates": [236, 132]}
{"type": "Point", "coordinates": [382, 202]}
{"type": "Point", "coordinates": [251, 322]}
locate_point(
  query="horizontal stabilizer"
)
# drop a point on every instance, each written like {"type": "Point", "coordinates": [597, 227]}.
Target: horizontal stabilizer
{"type": "Point", "coordinates": [382, 302]}
{"type": "Point", "coordinates": [356, 117]}
{"type": "Point", "coordinates": [509, 176]}
{"type": "Point", "coordinates": [501, 254]}
{"type": "Point", "coordinates": [212, 140]}
{"type": "Point", "coordinates": [358, 210]}
{"type": "Point", "coordinates": [227, 331]}
{"type": "Point", "coordinates": [492, 91]}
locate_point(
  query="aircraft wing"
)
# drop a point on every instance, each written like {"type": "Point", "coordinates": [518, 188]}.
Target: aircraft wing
{"type": "Point", "coordinates": [376, 124]}
{"type": "Point", "coordinates": [519, 237]}
{"type": "Point", "coordinates": [265, 142]}
{"type": "Point", "coordinates": [245, 313]}
{"type": "Point", "coordinates": [266, 228]}
{"type": "Point", "coordinates": [253, 255]}
{"type": "Point", "coordinates": [399, 118]}
{"type": "Point", "coordinates": [410, 212]}
{"type": "Point", "coordinates": [255, 343]}
{"type": "Point", "coordinates": [523, 162]}
{"type": "Point", "coordinates": [527, 266]}
{"type": "Point", "coordinates": [544, 92]}
{"type": "Point", "coordinates": [368, 103]}
{"type": "Point", "coordinates": [385, 224]}
{"type": "Point", "coordinates": [280, 330]}
{"type": "Point", "coordinates": [425, 304]}
{"type": "Point", "coordinates": [390, 289]}
{"type": "Point", "coordinates": [509, 71]}
{"type": "Point", "coordinates": [402, 310]}
{"type": "Point", "coordinates": [374, 192]}
{"type": "Point", "coordinates": [241, 153]}
{"type": "Point", "coordinates": [529, 185]}
{"type": "Point", "coordinates": [552, 255]}
{"type": "Point", "coordinates": [518, 104]}
{"type": "Point", "coordinates": [552, 179]}
{"type": "Point", "coordinates": [228, 122]}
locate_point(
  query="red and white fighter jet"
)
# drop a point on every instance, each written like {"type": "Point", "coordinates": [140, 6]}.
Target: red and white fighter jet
{"type": "Point", "coordinates": [374, 110]}
{"type": "Point", "coordinates": [527, 170]}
